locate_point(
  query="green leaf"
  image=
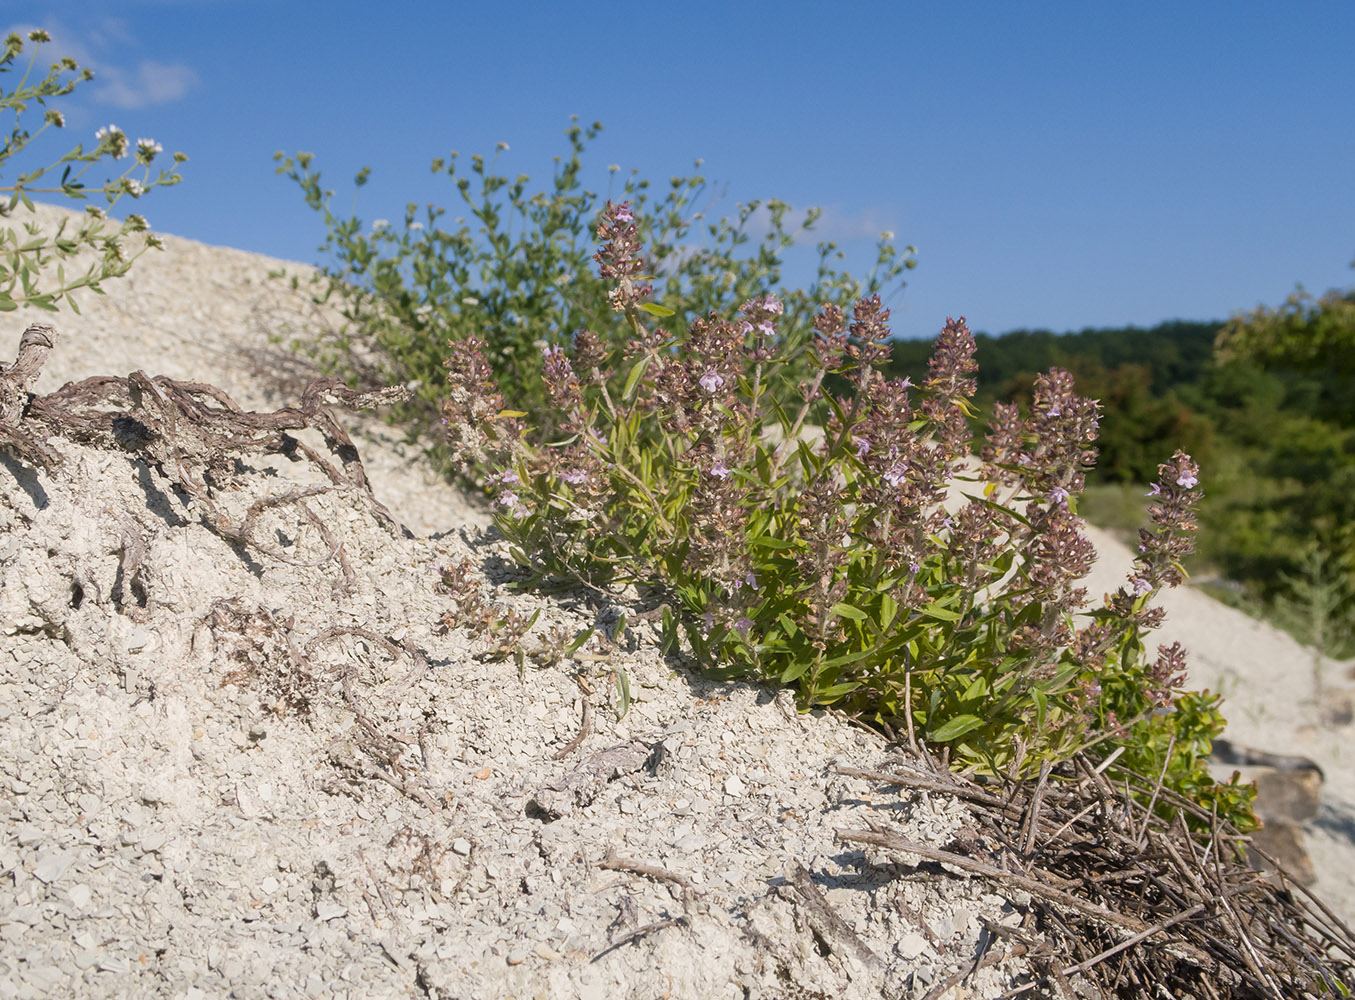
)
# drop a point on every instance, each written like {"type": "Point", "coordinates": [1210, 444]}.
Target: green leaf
{"type": "Point", "coordinates": [935, 610]}
{"type": "Point", "coordinates": [889, 609]}
{"type": "Point", "coordinates": [978, 687]}
{"type": "Point", "coordinates": [583, 637]}
{"type": "Point", "coordinates": [654, 309]}
{"type": "Point", "coordinates": [669, 632]}
{"type": "Point", "coordinates": [795, 671]}
{"type": "Point", "coordinates": [847, 611]}
{"type": "Point", "coordinates": [637, 370]}
{"type": "Point", "coordinates": [828, 695]}
{"type": "Point", "coordinates": [956, 727]}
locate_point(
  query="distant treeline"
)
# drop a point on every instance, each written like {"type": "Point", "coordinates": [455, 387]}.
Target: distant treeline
{"type": "Point", "coordinates": [1276, 446]}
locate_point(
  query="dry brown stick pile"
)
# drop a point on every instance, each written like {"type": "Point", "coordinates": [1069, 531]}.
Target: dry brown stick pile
{"type": "Point", "coordinates": [187, 428]}
{"type": "Point", "coordinates": [1129, 899]}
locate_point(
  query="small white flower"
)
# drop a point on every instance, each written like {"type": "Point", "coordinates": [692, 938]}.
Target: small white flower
{"type": "Point", "coordinates": [146, 149]}
{"type": "Point", "coordinates": [503, 146]}
{"type": "Point", "coordinates": [115, 138]}
{"type": "Point", "coordinates": [380, 224]}
{"type": "Point", "coordinates": [416, 226]}
{"type": "Point", "coordinates": [134, 187]}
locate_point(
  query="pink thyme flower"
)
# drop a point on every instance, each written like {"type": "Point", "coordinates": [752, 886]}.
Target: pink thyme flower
{"type": "Point", "coordinates": [1187, 479]}
{"type": "Point", "coordinates": [711, 381]}
{"type": "Point", "coordinates": [719, 470]}
{"type": "Point", "coordinates": [513, 502]}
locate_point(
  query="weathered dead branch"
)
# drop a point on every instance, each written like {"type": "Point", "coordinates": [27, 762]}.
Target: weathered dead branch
{"type": "Point", "coordinates": [190, 430]}
{"type": "Point", "coordinates": [1127, 900]}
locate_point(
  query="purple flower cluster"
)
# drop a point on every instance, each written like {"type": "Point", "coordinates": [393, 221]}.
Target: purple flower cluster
{"type": "Point", "coordinates": [759, 324]}
{"type": "Point", "coordinates": [1167, 675]}
{"type": "Point", "coordinates": [590, 358]}
{"type": "Point", "coordinates": [823, 526]}
{"type": "Point", "coordinates": [471, 412]}
{"type": "Point", "coordinates": [1047, 454]}
{"type": "Point", "coordinates": [718, 517]}
{"type": "Point", "coordinates": [1167, 541]}
{"type": "Point", "coordinates": [867, 345]}
{"type": "Point", "coordinates": [620, 258]}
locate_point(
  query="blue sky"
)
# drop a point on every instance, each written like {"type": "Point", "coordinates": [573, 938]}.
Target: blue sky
{"type": "Point", "coordinates": [1058, 165]}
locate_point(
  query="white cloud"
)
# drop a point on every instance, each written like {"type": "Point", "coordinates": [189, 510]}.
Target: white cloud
{"type": "Point", "coordinates": [834, 225]}
{"type": "Point", "coordinates": [848, 227]}
{"type": "Point", "coordinates": [150, 83]}
{"type": "Point", "coordinates": [96, 46]}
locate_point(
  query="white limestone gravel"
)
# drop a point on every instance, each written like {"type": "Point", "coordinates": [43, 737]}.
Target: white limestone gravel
{"type": "Point", "coordinates": [169, 826]}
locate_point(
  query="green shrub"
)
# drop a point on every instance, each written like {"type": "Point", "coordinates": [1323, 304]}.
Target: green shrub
{"type": "Point", "coordinates": [846, 568]}
{"type": "Point", "coordinates": [26, 255]}
{"type": "Point", "coordinates": [515, 271]}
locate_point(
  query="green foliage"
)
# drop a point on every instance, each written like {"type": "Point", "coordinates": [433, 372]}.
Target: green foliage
{"type": "Point", "coordinates": [27, 255]}
{"type": "Point", "coordinates": [1305, 334]}
{"type": "Point", "coordinates": [847, 568]}
{"type": "Point", "coordinates": [513, 268]}
{"type": "Point", "coordinates": [1135, 374]}
{"type": "Point", "coordinates": [1276, 442]}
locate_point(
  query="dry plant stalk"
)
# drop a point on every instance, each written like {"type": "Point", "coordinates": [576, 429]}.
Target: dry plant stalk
{"type": "Point", "coordinates": [187, 429]}
{"type": "Point", "coordinates": [1128, 900]}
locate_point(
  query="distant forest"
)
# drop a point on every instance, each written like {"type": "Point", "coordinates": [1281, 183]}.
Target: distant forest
{"type": "Point", "coordinates": [1273, 428]}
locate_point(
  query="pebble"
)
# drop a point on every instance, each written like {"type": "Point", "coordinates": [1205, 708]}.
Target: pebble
{"type": "Point", "coordinates": [52, 864]}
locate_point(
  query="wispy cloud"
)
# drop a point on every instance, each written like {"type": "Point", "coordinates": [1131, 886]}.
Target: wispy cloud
{"type": "Point", "coordinates": [149, 83]}
{"type": "Point", "coordinates": [100, 45]}
{"type": "Point", "coordinates": [833, 225]}
{"type": "Point", "coordinates": [841, 226]}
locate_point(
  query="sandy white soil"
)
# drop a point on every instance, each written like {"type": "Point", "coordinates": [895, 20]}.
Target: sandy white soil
{"type": "Point", "coordinates": [170, 829]}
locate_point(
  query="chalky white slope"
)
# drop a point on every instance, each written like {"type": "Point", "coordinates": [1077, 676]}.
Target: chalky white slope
{"type": "Point", "coordinates": [167, 833]}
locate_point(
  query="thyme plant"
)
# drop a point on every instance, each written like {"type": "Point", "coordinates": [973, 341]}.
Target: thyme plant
{"type": "Point", "coordinates": [877, 565]}
{"type": "Point", "coordinates": [27, 254]}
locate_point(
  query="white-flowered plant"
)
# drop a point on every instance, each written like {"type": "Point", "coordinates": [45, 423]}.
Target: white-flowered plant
{"type": "Point", "coordinates": [27, 254]}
